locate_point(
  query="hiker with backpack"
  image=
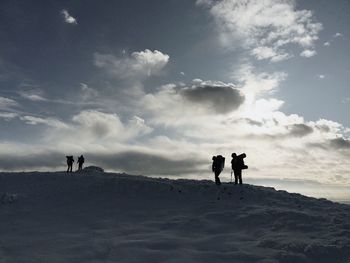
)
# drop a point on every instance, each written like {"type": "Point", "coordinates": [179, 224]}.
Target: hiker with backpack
{"type": "Point", "coordinates": [237, 164]}
{"type": "Point", "coordinates": [70, 161]}
{"type": "Point", "coordinates": [81, 160]}
{"type": "Point", "coordinates": [217, 167]}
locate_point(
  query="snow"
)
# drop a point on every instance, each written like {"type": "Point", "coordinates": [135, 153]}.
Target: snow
{"type": "Point", "coordinates": [101, 217]}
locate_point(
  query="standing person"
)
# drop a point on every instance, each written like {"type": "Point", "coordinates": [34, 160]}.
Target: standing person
{"type": "Point", "coordinates": [217, 167]}
{"type": "Point", "coordinates": [70, 161]}
{"type": "Point", "coordinates": [237, 164]}
{"type": "Point", "coordinates": [81, 160]}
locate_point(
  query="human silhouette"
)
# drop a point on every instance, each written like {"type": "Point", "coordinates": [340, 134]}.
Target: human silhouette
{"type": "Point", "coordinates": [70, 161]}
{"type": "Point", "coordinates": [237, 164]}
{"type": "Point", "coordinates": [217, 167]}
{"type": "Point", "coordinates": [80, 161]}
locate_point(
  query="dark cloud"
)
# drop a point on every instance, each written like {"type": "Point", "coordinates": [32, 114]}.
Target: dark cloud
{"type": "Point", "coordinates": [32, 161]}
{"type": "Point", "coordinates": [299, 130]}
{"type": "Point", "coordinates": [244, 121]}
{"type": "Point", "coordinates": [294, 130]}
{"type": "Point", "coordinates": [323, 128]}
{"type": "Point", "coordinates": [253, 122]}
{"type": "Point", "coordinates": [222, 99]}
{"type": "Point", "coordinates": [333, 144]}
{"type": "Point", "coordinates": [145, 163]}
{"type": "Point", "coordinates": [340, 143]}
{"type": "Point", "coordinates": [133, 162]}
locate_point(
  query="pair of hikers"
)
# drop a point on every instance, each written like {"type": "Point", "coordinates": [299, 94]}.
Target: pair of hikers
{"type": "Point", "coordinates": [237, 165]}
{"type": "Point", "coordinates": [70, 161]}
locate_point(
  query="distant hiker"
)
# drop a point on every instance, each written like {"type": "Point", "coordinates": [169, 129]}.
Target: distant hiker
{"type": "Point", "coordinates": [81, 160]}
{"type": "Point", "coordinates": [70, 161]}
{"type": "Point", "coordinates": [237, 164]}
{"type": "Point", "coordinates": [217, 167]}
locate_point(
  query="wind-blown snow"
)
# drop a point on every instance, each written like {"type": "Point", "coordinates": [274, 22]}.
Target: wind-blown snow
{"type": "Point", "coordinates": [100, 217]}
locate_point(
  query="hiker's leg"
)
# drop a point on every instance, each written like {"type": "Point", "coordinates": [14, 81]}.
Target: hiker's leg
{"type": "Point", "coordinates": [240, 177]}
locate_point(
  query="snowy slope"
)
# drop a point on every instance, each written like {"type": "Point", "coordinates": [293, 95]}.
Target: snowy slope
{"type": "Point", "coordinates": [100, 217]}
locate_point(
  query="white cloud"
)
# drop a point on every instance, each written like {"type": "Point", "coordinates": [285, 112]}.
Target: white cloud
{"type": "Point", "coordinates": [139, 64]}
{"type": "Point", "coordinates": [95, 125]}
{"type": "Point", "coordinates": [6, 103]}
{"type": "Point", "coordinates": [336, 35]}
{"type": "Point", "coordinates": [256, 83]}
{"type": "Point", "coordinates": [263, 52]}
{"type": "Point", "coordinates": [87, 93]}
{"type": "Point", "coordinates": [197, 81]}
{"type": "Point", "coordinates": [308, 53]}
{"type": "Point", "coordinates": [32, 120]}
{"type": "Point", "coordinates": [321, 76]}
{"type": "Point", "coordinates": [266, 28]}
{"type": "Point", "coordinates": [68, 18]}
{"type": "Point", "coordinates": [8, 115]}
{"type": "Point", "coordinates": [33, 95]}
{"type": "Point", "coordinates": [182, 73]}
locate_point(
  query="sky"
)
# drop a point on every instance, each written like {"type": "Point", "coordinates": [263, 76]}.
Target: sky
{"type": "Point", "coordinates": [159, 87]}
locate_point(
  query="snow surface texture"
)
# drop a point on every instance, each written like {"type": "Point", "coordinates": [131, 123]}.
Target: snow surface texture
{"type": "Point", "coordinates": [99, 217]}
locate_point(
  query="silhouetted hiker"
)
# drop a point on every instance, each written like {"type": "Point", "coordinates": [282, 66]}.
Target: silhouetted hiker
{"type": "Point", "coordinates": [238, 165]}
{"type": "Point", "coordinates": [81, 160]}
{"type": "Point", "coordinates": [217, 167]}
{"type": "Point", "coordinates": [70, 162]}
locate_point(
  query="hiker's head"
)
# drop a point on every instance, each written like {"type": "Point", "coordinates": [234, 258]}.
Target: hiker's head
{"type": "Point", "coordinates": [233, 155]}
{"type": "Point", "coordinates": [214, 158]}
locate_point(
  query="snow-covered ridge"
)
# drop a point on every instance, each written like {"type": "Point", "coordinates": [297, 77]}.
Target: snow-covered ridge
{"type": "Point", "coordinates": [103, 217]}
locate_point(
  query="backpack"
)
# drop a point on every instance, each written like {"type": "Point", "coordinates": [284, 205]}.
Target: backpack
{"type": "Point", "coordinates": [221, 161]}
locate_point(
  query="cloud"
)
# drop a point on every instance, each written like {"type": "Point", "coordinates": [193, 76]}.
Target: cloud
{"type": "Point", "coordinates": [88, 93]}
{"type": "Point", "coordinates": [147, 163]}
{"type": "Point", "coordinates": [33, 95]}
{"type": "Point", "coordinates": [134, 161]}
{"type": "Point", "coordinates": [328, 126]}
{"type": "Point", "coordinates": [6, 103]}
{"type": "Point", "coordinates": [262, 53]}
{"type": "Point", "coordinates": [139, 64]}
{"type": "Point", "coordinates": [222, 99]}
{"type": "Point", "coordinates": [336, 35]}
{"type": "Point", "coordinates": [266, 28]}
{"type": "Point", "coordinates": [300, 130]}
{"type": "Point", "coordinates": [28, 158]}
{"type": "Point", "coordinates": [340, 143]}
{"type": "Point", "coordinates": [68, 18]}
{"type": "Point", "coordinates": [254, 83]}
{"type": "Point", "coordinates": [321, 76]}
{"type": "Point", "coordinates": [308, 53]}
{"type": "Point", "coordinates": [8, 115]}
{"type": "Point", "coordinates": [173, 105]}
{"type": "Point", "coordinates": [94, 125]}
{"type": "Point", "coordinates": [197, 80]}
{"type": "Point", "coordinates": [32, 120]}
